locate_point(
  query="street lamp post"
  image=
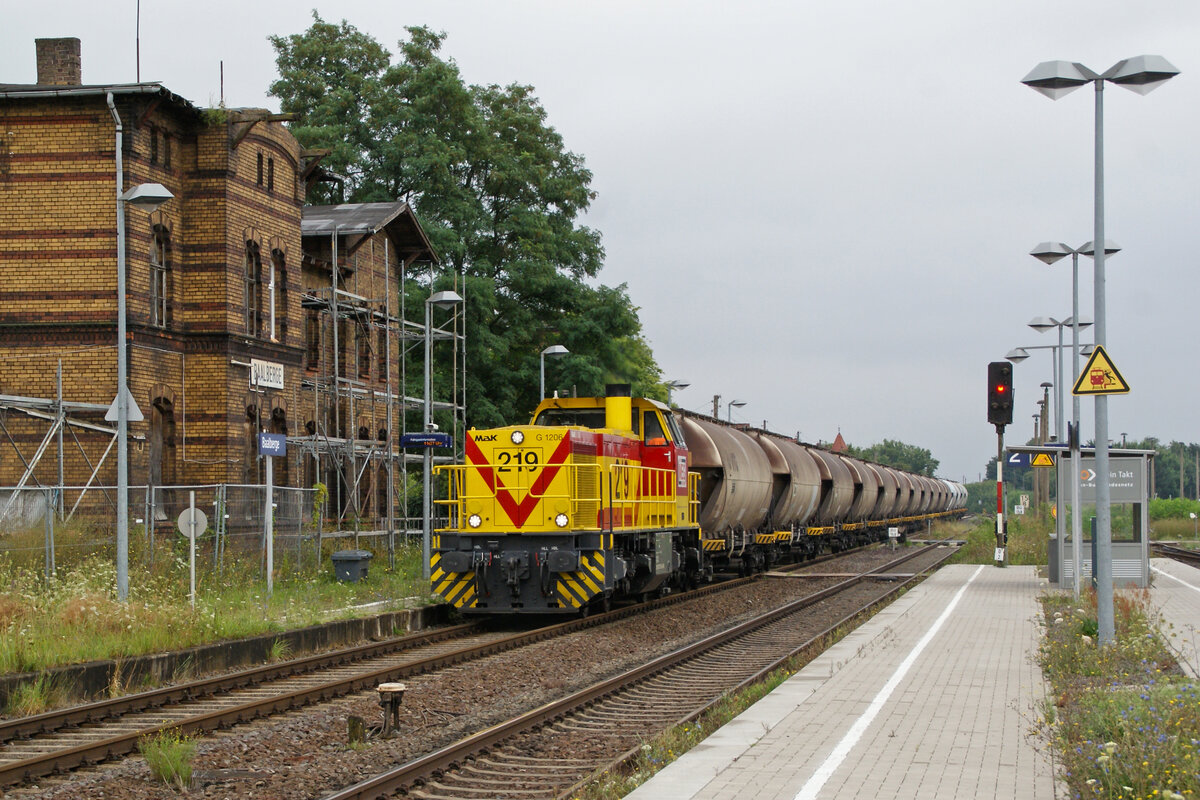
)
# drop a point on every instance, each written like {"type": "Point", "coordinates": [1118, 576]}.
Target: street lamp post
{"type": "Point", "coordinates": [730, 406]}
{"type": "Point", "coordinates": [1049, 253]}
{"type": "Point", "coordinates": [552, 350]}
{"type": "Point", "coordinates": [443, 300]}
{"type": "Point", "coordinates": [673, 385]}
{"type": "Point", "coordinates": [1140, 74]}
{"type": "Point", "coordinates": [147, 197]}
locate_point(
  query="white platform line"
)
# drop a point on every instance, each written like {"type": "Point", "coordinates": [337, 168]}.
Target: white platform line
{"type": "Point", "coordinates": [1172, 577]}
{"type": "Point", "coordinates": [843, 748]}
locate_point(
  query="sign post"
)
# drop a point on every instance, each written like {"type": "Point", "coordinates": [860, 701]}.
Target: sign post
{"type": "Point", "coordinates": [192, 523]}
{"type": "Point", "coordinates": [269, 446]}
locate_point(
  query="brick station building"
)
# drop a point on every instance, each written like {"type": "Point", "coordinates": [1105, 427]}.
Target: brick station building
{"type": "Point", "coordinates": [234, 271]}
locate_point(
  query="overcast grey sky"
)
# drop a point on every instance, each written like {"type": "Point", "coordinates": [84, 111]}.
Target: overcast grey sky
{"type": "Point", "coordinates": [822, 209]}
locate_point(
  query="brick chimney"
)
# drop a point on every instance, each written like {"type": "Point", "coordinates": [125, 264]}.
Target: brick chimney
{"type": "Point", "coordinates": [58, 62]}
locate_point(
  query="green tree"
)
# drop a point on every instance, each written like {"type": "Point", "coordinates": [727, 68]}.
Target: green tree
{"type": "Point", "coordinates": [896, 454]}
{"type": "Point", "coordinates": [498, 194]}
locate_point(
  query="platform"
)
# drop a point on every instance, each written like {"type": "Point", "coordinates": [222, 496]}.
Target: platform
{"type": "Point", "coordinates": [934, 697]}
{"type": "Point", "coordinates": [1176, 595]}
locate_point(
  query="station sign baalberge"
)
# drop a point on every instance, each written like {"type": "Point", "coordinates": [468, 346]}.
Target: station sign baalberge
{"type": "Point", "coordinates": [272, 444]}
{"type": "Point", "coordinates": [266, 374]}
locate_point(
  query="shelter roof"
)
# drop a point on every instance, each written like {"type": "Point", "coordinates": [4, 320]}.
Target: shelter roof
{"type": "Point", "coordinates": [359, 221]}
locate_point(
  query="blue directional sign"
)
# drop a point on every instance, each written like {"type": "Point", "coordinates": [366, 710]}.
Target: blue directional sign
{"type": "Point", "coordinates": [272, 444]}
{"type": "Point", "coordinates": [430, 439]}
{"type": "Point", "coordinates": [1018, 459]}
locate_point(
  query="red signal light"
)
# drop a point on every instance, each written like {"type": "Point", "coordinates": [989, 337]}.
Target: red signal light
{"type": "Point", "coordinates": [1001, 388]}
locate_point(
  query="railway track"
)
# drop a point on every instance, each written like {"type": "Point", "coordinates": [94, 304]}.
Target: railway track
{"type": "Point", "coordinates": [1182, 554]}
{"type": "Point", "coordinates": [60, 741]}
{"type": "Point", "coordinates": [551, 751]}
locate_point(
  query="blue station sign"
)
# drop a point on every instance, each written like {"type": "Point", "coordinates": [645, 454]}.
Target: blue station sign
{"type": "Point", "coordinates": [272, 444]}
{"type": "Point", "coordinates": [430, 439]}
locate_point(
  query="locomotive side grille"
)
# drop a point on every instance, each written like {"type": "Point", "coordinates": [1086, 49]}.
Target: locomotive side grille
{"type": "Point", "coordinates": [587, 491]}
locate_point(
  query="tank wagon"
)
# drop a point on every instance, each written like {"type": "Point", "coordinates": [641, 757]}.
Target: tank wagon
{"type": "Point", "coordinates": [615, 496]}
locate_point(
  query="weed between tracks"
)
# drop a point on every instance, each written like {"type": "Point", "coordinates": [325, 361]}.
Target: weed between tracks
{"type": "Point", "coordinates": [169, 755]}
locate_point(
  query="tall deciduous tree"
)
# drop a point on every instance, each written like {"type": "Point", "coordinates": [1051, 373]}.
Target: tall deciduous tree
{"type": "Point", "coordinates": [498, 193]}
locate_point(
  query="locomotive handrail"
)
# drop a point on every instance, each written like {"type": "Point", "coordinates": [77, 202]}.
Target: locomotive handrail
{"type": "Point", "coordinates": [583, 505]}
{"type": "Point", "coordinates": [647, 497]}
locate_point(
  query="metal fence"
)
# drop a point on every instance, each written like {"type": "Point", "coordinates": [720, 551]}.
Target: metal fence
{"type": "Point", "coordinates": [57, 527]}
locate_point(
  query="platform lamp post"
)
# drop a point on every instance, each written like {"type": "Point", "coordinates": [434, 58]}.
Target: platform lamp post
{"type": "Point", "coordinates": [443, 300]}
{"type": "Point", "coordinates": [552, 350]}
{"type": "Point", "coordinates": [1141, 74]}
{"type": "Point", "coordinates": [673, 386]}
{"type": "Point", "coordinates": [1049, 253]}
{"type": "Point", "coordinates": [730, 406]}
{"type": "Point", "coordinates": [147, 197]}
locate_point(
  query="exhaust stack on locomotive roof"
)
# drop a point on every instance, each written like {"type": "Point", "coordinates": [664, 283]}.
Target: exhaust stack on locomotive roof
{"type": "Point", "coordinates": [618, 407]}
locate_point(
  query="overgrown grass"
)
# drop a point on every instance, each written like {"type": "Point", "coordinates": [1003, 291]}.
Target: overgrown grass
{"type": "Point", "coordinates": [1124, 721]}
{"type": "Point", "coordinates": [74, 615]}
{"type": "Point", "coordinates": [1027, 542]}
{"type": "Point", "coordinates": [169, 755]}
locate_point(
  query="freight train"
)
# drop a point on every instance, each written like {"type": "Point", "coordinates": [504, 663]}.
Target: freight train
{"type": "Point", "coordinates": [606, 497]}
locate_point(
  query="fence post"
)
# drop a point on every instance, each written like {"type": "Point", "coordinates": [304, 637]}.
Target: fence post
{"type": "Point", "coordinates": [49, 497]}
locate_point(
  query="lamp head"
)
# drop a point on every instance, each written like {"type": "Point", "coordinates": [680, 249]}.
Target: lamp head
{"type": "Point", "coordinates": [1017, 355]}
{"type": "Point", "coordinates": [444, 300]}
{"type": "Point", "coordinates": [147, 196]}
{"type": "Point", "coordinates": [1110, 247]}
{"type": "Point", "coordinates": [1141, 74]}
{"type": "Point", "coordinates": [1056, 79]}
{"type": "Point", "coordinates": [555, 350]}
{"type": "Point", "coordinates": [1049, 252]}
{"type": "Point", "coordinates": [1043, 324]}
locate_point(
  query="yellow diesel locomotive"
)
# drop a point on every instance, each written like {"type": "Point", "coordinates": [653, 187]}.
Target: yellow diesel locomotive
{"type": "Point", "coordinates": [591, 499]}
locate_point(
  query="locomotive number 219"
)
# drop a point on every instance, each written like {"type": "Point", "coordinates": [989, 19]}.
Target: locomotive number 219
{"type": "Point", "coordinates": [516, 460]}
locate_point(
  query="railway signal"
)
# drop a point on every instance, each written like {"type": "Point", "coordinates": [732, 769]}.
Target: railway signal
{"type": "Point", "coordinates": [1000, 408]}
{"type": "Point", "coordinates": [1000, 393]}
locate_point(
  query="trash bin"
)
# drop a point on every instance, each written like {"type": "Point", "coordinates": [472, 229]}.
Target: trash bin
{"type": "Point", "coordinates": [351, 565]}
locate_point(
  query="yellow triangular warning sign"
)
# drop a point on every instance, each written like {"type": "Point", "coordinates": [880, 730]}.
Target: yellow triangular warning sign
{"type": "Point", "coordinates": [1100, 376]}
{"type": "Point", "coordinates": [1042, 460]}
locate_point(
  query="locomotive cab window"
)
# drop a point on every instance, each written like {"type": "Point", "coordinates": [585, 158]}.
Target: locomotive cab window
{"type": "Point", "coordinates": [571, 417]}
{"type": "Point", "coordinates": [673, 427]}
{"type": "Point", "coordinates": [653, 430]}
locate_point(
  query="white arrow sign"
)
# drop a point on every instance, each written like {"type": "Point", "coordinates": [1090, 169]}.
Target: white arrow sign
{"type": "Point", "coordinates": [1088, 475]}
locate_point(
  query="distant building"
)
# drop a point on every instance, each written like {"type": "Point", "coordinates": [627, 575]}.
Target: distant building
{"type": "Point", "coordinates": [234, 271]}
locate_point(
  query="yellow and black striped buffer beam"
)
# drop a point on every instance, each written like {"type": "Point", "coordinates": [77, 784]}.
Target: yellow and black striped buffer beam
{"type": "Point", "coordinates": [575, 589]}
{"type": "Point", "coordinates": [456, 588]}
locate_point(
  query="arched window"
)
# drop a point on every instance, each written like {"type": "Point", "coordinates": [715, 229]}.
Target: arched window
{"type": "Point", "coordinates": [250, 429]}
{"type": "Point", "coordinates": [162, 438]}
{"type": "Point", "coordinates": [279, 303]}
{"type": "Point", "coordinates": [253, 294]}
{"type": "Point", "coordinates": [160, 278]}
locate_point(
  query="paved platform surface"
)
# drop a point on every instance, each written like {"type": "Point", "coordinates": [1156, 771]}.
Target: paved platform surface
{"type": "Point", "coordinates": [1176, 594]}
{"type": "Point", "coordinates": [935, 697]}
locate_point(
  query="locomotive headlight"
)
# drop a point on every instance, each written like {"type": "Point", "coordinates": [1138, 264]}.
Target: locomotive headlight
{"type": "Point", "coordinates": [561, 520]}
{"type": "Point", "coordinates": [517, 437]}
{"type": "Point", "coordinates": [474, 520]}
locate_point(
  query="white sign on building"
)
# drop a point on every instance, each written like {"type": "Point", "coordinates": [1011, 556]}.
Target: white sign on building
{"type": "Point", "coordinates": [266, 374]}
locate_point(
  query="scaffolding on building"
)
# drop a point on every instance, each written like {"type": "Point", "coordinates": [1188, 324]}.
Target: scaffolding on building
{"type": "Point", "coordinates": [341, 442]}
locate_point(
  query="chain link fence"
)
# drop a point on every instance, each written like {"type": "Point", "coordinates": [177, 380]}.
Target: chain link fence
{"type": "Point", "coordinates": [59, 527]}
